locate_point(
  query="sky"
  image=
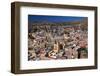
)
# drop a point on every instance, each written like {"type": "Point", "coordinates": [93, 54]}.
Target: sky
{"type": "Point", "coordinates": [40, 18]}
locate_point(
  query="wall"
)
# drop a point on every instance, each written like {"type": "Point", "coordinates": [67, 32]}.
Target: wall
{"type": "Point", "coordinates": [5, 33]}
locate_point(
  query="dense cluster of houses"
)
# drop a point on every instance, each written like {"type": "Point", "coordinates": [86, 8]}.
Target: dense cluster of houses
{"type": "Point", "coordinates": [47, 42]}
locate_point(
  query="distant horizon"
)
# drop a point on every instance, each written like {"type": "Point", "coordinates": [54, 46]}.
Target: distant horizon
{"type": "Point", "coordinates": [56, 19]}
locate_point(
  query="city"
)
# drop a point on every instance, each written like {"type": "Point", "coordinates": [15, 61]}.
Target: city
{"type": "Point", "coordinates": [53, 41]}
